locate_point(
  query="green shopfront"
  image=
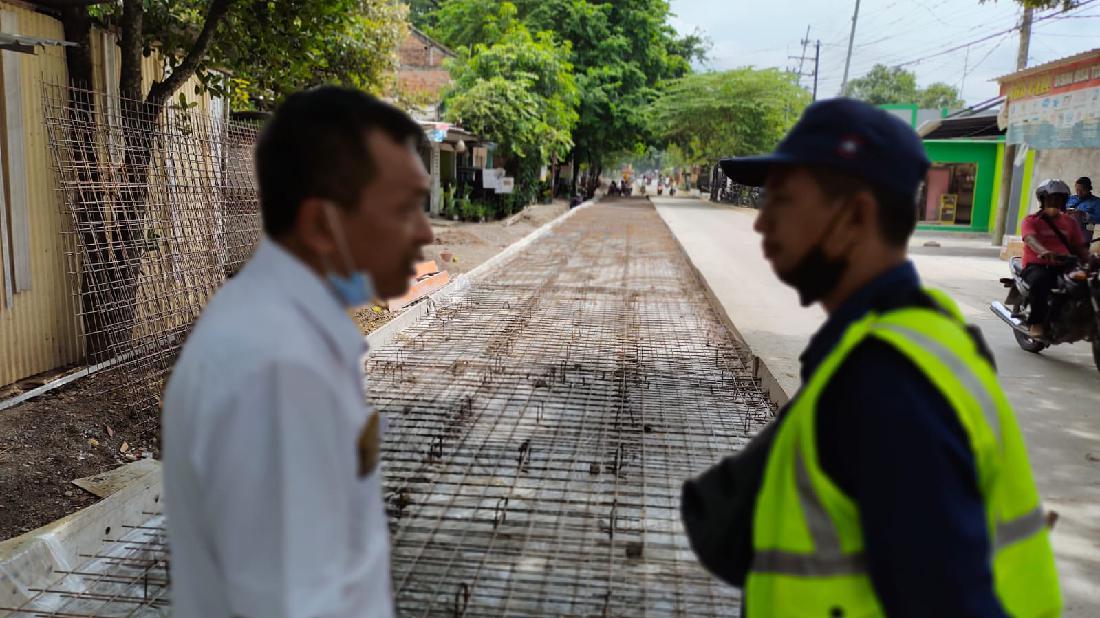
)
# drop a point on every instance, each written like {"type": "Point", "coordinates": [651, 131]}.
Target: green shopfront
{"type": "Point", "coordinates": [962, 185]}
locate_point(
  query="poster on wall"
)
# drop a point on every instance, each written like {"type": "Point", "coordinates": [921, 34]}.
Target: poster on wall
{"type": "Point", "coordinates": [1062, 120]}
{"type": "Point", "coordinates": [492, 178]}
{"type": "Point", "coordinates": [506, 185]}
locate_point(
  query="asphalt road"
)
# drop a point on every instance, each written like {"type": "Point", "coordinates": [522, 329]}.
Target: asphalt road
{"type": "Point", "coordinates": [1056, 394]}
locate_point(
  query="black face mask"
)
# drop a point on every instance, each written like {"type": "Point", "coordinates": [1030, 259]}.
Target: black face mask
{"type": "Point", "coordinates": [816, 274]}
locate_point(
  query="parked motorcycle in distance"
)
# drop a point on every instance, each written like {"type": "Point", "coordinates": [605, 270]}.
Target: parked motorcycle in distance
{"type": "Point", "coordinates": [1076, 296]}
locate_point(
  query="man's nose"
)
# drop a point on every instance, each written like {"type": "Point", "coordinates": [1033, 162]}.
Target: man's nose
{"type": "Point", "coordinates": [424, 234]}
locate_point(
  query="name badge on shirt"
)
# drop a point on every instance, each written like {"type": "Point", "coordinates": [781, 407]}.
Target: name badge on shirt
{"type": "Point", "coordinates": [369, 446]}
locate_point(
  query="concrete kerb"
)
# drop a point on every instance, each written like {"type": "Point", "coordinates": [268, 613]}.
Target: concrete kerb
{"type": "Point", "coordinates": [30, 561]}
{"type": "Point", "coordinates": [760, 370]}
{"type": "Point", "coordinates": [388, 332]}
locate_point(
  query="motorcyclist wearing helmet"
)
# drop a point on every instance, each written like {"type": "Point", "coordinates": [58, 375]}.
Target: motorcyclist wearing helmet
{"type": "Point", "coordinates": [1049, 238]}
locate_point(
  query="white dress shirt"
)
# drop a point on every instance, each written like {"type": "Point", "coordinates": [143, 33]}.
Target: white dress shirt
{"type": "Point", "coordinates": [272, 489]}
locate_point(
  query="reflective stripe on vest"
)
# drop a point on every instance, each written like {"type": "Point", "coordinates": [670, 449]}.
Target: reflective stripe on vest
{"type": "Point", "coordinates": [827, 559]}
{"type": "Point", "coordinates": [960, 369]}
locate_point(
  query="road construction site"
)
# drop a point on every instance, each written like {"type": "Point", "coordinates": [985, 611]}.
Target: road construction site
{"type": "Point", "coordinates": [542, 417]}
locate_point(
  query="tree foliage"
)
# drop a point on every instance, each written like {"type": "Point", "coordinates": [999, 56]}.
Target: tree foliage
{"type": "Point", "coordinates": [276, 48]}
{"type": "Point", "coordinates": [939, 95]}
{"type": "Point", "coordinates": [620, 53]}
{"type": "Point", "coordinates": [884, 85]}
{"type": "Point", "coordinates": [1064, 5]}
{"type": "Point", "coordinates": [708, 116]}
{"type": "Point", "coordinates": [519, 92]}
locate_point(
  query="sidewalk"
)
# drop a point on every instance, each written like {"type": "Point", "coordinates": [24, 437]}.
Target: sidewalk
{"type": "Point", "coordinates": [1056, 395]}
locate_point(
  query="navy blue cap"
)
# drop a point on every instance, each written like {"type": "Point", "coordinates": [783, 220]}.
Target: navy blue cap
{"type": "Point", "coordinates": [849, 136]}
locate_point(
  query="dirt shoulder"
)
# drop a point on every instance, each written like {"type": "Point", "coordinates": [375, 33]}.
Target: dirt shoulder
{"type": "Point", "coordinates": [81, 429]}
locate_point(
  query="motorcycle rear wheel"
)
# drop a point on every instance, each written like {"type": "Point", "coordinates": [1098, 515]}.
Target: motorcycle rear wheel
{"type": "Point", "coordinates": [1034, 346]}
{"type": "Point", "coordinates": [1096, 352]}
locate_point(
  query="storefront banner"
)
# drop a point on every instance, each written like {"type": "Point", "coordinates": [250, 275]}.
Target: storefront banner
{"type": "Point", "coordinates": [1063, 120]}
{"type": "Point", "coordinates": [492, 178]}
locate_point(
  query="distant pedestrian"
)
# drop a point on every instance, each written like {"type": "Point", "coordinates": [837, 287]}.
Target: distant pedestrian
{"type": "Point", "coordinates": [896, 482]}
{"type": "Point", "coordinates": [1086, 204]}
{"type": "Point", "coordinates": [271, 450]}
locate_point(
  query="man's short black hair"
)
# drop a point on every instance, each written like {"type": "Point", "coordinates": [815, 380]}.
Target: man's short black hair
{"type": "Point", "coordinates": [315, 146]}
{"type": "Point", "coordinates": [1085, 182]}
{"type": "Point", "coordinates": [897, 214]}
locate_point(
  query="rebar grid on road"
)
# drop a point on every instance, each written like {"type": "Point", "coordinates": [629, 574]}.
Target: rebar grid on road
{"type": "Point", "coordinates": [162, 207]}
{"type": "Point", "coordinates": [541, 426]}
{"type": "Point", "coordinates": [127, 577]}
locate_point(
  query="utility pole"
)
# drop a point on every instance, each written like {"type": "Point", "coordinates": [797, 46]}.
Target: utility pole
{"type": "Point", "coordinates": [1025, 40]}
{"type": "Point", "coordinates": [851, 42]}
{"type": "Point", "coordinates": [1010, 149]}
{"type": "Point", "coordinates": [817, 64]}
{"type": "Point", "coordinates": [802, 60]}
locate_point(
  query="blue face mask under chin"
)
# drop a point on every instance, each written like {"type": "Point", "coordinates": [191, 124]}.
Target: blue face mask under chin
{"type": "Point", "coordinates": [356, 288]}
{"type": "Point", "coordinates": [353, 290]}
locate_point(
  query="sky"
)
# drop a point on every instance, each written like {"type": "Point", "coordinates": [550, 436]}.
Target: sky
{"type": "Point", "coordinates": [917, 34]}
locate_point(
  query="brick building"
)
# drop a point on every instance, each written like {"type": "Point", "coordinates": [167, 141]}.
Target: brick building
{"type": "Point", "coordinates": [421, 74]}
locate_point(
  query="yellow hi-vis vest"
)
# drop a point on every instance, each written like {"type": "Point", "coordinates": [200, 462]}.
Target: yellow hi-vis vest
{"type": "Point", "coordinates": [808, 545]}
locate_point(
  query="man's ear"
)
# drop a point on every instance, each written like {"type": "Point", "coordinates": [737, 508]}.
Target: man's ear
{"type": "Point", "coordinates": [313, 229]}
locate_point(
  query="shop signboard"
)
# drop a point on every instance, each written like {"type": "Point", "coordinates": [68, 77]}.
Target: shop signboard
{"type": "Point", "coordinates": [493, 178]}
{"type": "Point", "coordinates": [1059, 108]}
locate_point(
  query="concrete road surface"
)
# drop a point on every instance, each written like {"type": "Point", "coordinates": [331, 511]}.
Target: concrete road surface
{"type": "Point", "coordinates": [1056, 394]}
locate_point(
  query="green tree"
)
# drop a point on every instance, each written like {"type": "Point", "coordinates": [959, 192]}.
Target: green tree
{"type": "Point", "coordinates": [708, 116]}
{"type": "Point", "coordinates": [520, 93]}
{"type": "Point", "coordinates": [883, 85]}
{"type": "Point", "coordinates": [280, 47]}
{"type": "Point", "coordinates": [1065, 5]}
{"type": "Point", "coordinates": [939, 95]}
{"type": "Point", "coordinates": [620, 52]}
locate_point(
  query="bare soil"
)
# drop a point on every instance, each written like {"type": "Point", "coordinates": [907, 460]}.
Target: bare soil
{"type": "Point", "coordinates": [82, 429]}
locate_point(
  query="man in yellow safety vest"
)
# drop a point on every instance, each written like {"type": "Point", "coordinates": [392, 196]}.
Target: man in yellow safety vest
{"type": "Point", "coordinates": [896, 482]}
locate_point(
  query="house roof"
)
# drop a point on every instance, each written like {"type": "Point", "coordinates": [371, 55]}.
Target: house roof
{"type": "Point", "coordinates": [966, 127]}
{"type": "Point", "coordinates": [1053, 64]}
{"type": "Point", "coordinates": [420, 33]}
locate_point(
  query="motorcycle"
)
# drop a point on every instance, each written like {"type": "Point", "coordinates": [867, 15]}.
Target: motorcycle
{"type": "Point", "coordinates": [1075, 302]}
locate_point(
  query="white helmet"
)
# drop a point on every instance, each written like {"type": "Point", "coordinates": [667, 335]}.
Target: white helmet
{"type": "Point", "coordinates": [1052, 186]}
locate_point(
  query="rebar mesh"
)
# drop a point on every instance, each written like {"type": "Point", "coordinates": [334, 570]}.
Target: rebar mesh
{"type": "Point", "coordinates": [127, 577]}
{"type": "Point", "coordinates": [542, 424]}
{"type": "Point", "coordinates": [540, 427]}
{"type": "Point", "coordinates": [163, 207]}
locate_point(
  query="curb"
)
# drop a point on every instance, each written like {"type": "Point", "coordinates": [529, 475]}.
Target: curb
{"type": "Point", "coordinates": [29, 561]}
{"type": "Point", "coordinates": [760, 370]}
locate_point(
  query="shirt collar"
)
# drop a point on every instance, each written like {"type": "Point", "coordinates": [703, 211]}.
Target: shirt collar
{"type": "Point", "coordinates": [900, 278]}
{"type": "Point", "coordinates": [287, 274]}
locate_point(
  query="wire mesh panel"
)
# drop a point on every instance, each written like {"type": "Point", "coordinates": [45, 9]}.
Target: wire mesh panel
{"type": "Point", "coordinates": [541, 426]}
{"type": "Point", "coordinates": [163, 207]}
{"type": "Point", "coordinates": [127, 577]}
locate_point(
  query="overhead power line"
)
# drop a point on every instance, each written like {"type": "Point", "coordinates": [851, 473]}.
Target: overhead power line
{"type": "Point", "coordinates": [956, 48]}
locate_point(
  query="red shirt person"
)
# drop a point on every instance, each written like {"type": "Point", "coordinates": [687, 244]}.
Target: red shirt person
{"type": "Point", "coordinates": [1049, 237]}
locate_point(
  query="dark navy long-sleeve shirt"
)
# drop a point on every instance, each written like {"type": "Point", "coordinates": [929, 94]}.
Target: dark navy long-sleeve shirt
{"type": "Point", "coordinates": [891, 442]}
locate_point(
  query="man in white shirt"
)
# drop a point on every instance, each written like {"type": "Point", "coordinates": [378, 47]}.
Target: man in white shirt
{"type": "Point", "coordinates": [272, 489]}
